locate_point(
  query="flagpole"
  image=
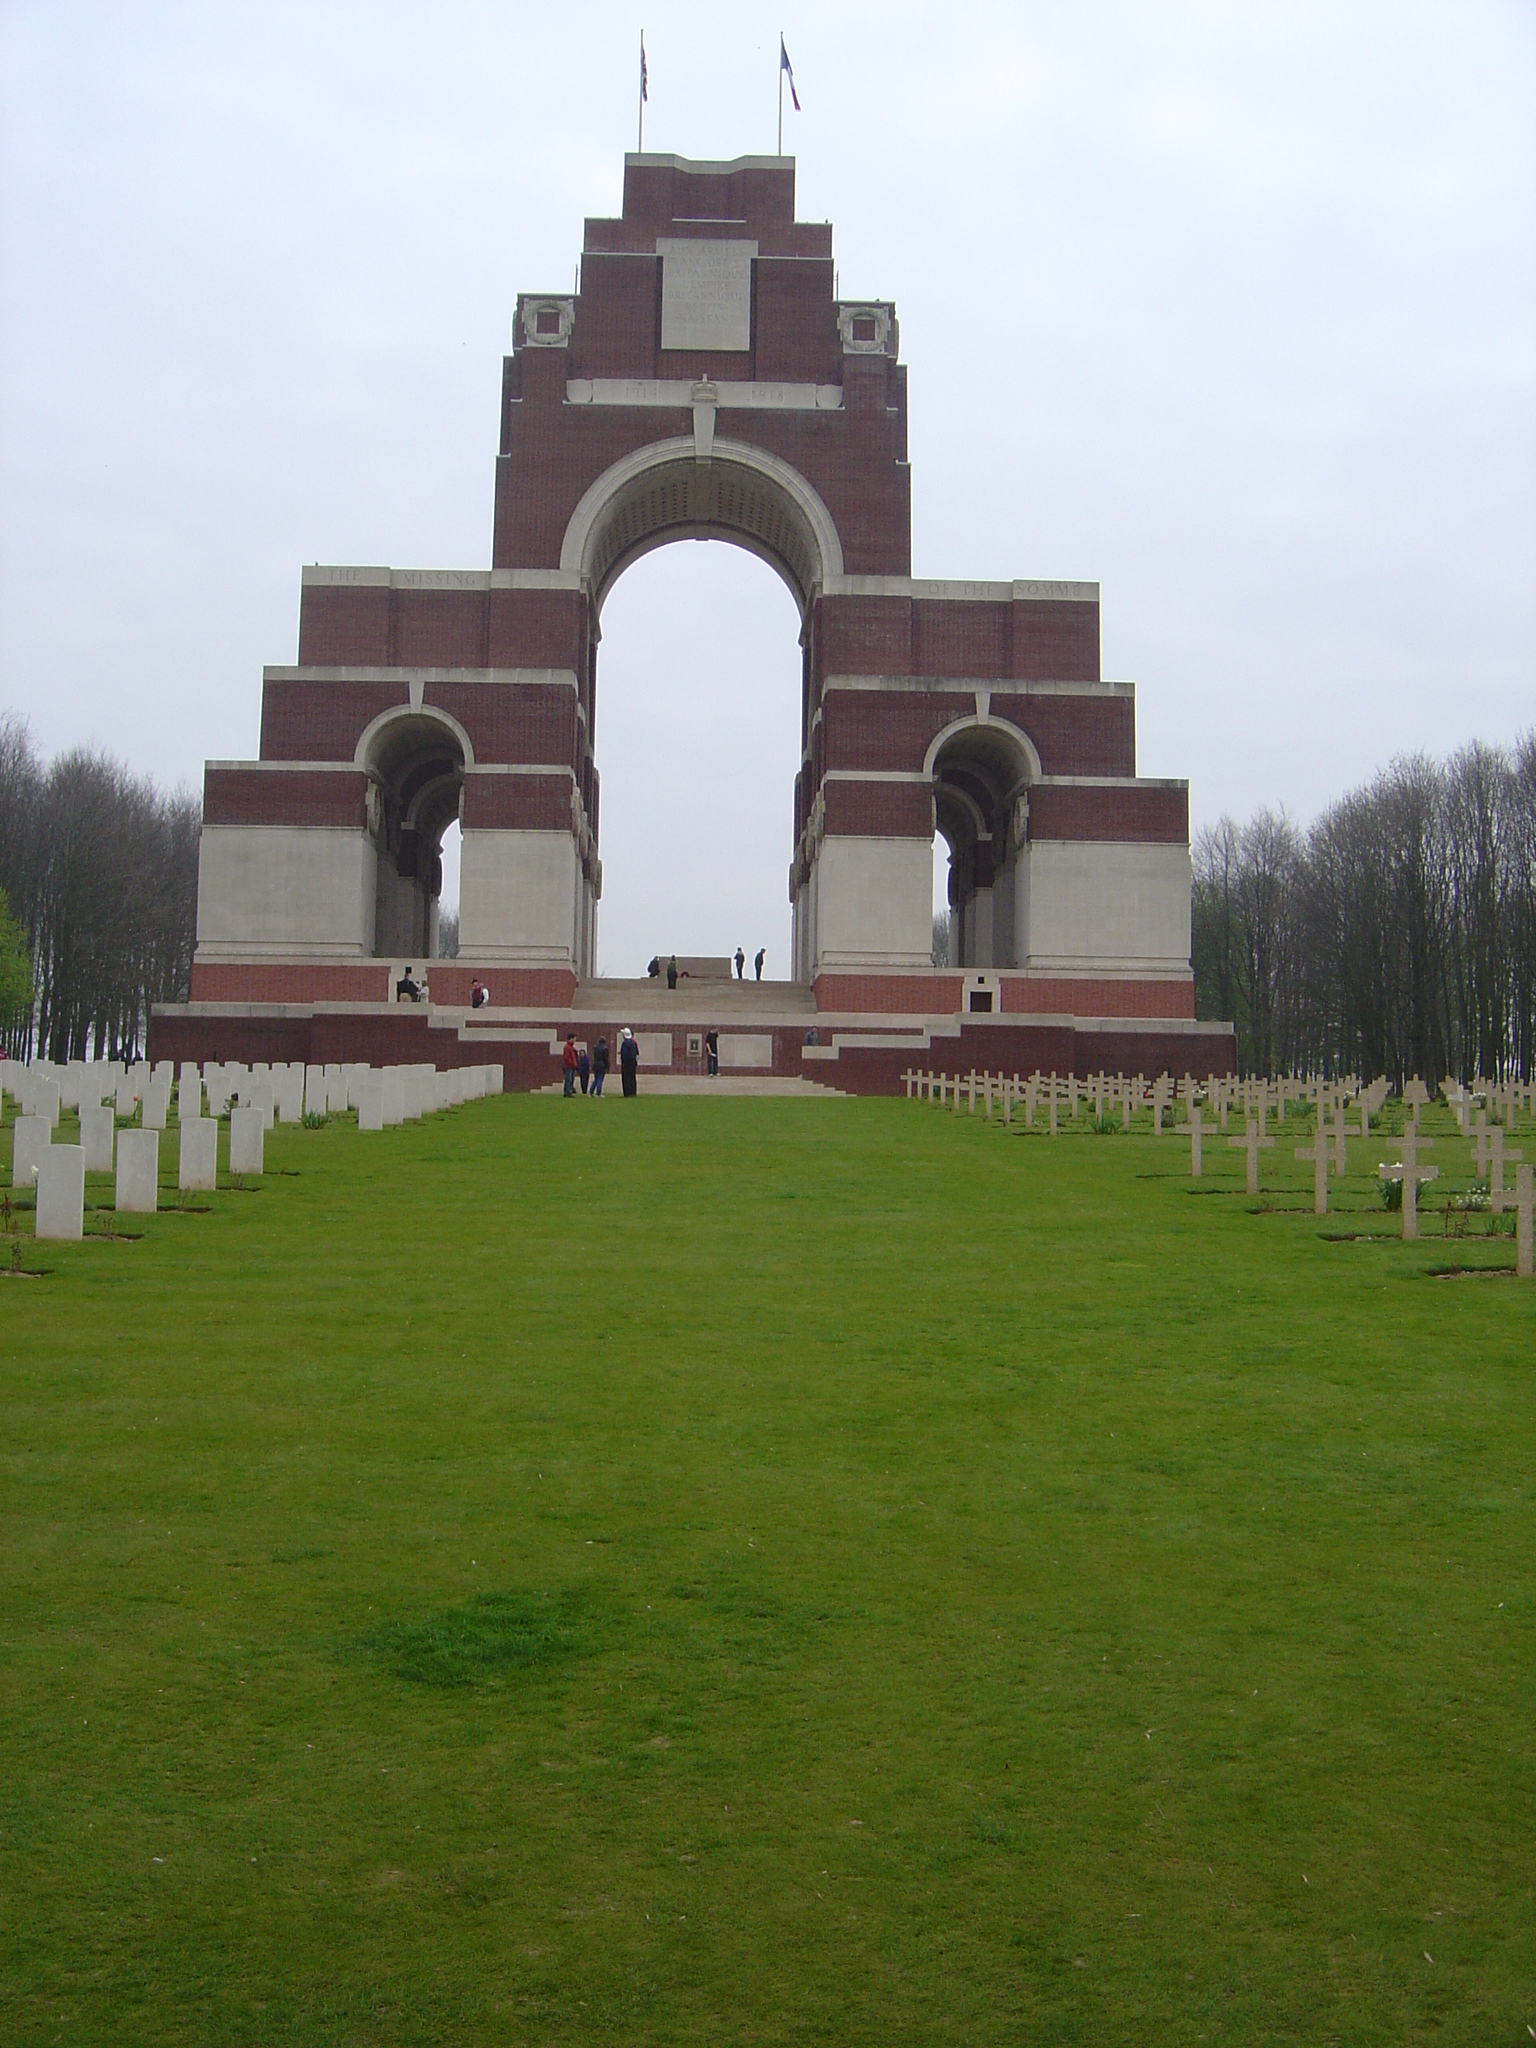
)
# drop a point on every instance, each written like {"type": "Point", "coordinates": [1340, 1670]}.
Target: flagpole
{"type": "Point", "coordinates": [781, 92]}
{"type": "Point", "coordinates": [640, 135]}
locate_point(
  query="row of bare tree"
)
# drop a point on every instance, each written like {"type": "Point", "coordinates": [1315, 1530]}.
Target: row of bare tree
{"type": "Point", "coordinates": [99, 870]}
{"type": "Point", "coordinates": [1397, 936]}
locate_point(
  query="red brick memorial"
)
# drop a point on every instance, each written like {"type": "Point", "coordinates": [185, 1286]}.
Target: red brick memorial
{"type": "Point", "coordinates": [704, 381]}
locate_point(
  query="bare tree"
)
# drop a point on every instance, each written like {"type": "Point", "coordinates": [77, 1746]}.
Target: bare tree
{"type": "Point", "coordinates": [101, 870]}
{"type": "Point", "coordinates": [1398, 937]}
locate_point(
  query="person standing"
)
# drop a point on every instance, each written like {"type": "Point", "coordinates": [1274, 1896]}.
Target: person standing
{"type": "Point", "coordinates": [762, 955]}
{"type": "Point", "coordinates": [568, 1062]}
{"type": "Point", "coordinates": [712, 1051]}
{"type": "Point", "coordinates": [584, 1068]}
{"type": "Point", "coordinates": [741, 963]}
{"type": "Point", "coordinates": [629, 1061]}
{"type": "Point", "coordinates": [599, 1065]}
{"type": "Point", "coordinates": [672, 972]}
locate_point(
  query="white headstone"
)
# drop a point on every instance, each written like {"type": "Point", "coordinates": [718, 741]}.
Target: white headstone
{"type": "Point", "coordinates": [314, 1092]}
{"type": "Point", "coordinates": [98, 1128]}
{"type": "Point", "coordinates": [198, 1163]}
{"type": "Point", "coordinates": [31, 1137]}
{"type": "Point", "coordinates": [156, 1101]}
{"type": "Point", "coordinates": [189, 1096]}
{"type": "Point", "coordinates": [138, 1173]}
{"type": "Point", "coordinates": [288, 1090]}
{"type": "Point", "coordinates": [61, 1192]}
{"type": "Point", "coordinates": [370, 1104]}
{"type": "Point", "coordinates": [394, 1096]}
{"type": "Point", "coordinates": [45, 1101]}
{"type": "Point", "coordinates": [260, 1095]}
{"type": "Point", "coordinates": [247, 1134]}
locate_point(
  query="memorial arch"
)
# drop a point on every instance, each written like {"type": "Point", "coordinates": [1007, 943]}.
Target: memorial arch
{"type": "Point", "coordinates": [705, 379]}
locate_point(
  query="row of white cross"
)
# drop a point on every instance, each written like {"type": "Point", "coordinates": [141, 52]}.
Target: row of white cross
{"type": "Point", "coordinates": [252, 1098]}
{"type": "Point", "coordinates": [1258, 1098]}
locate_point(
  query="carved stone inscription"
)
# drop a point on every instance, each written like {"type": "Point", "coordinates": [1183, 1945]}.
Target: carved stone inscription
{"type": "Point", "coordinates": [706, 294]}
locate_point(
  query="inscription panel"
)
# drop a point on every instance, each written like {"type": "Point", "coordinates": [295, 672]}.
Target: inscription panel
{"type": "Point", "coordinates": [706, 294]}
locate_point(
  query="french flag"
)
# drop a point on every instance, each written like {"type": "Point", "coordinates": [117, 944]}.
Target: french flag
{"type": "Point", "coordinates": [789, 70]}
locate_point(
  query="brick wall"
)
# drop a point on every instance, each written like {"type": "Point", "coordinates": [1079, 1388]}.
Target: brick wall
{"type": "Point", "coordinates": [1156, 815]}
{"type": "Point", "coordinates": [898, 810]}
{"type": "Point", "coordinates": [262, 796]}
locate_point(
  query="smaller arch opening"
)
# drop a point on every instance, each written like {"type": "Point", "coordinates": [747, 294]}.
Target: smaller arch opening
{"type": "Point", "coordinates": [415, 765]}
{"type": "Point", "coordinates": [981, 777]}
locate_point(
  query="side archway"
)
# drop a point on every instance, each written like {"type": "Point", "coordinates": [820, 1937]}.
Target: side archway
{"type": "Point", "coordinates": [415, 760]}
{"type": "Point", "coordinates": [982, 770]}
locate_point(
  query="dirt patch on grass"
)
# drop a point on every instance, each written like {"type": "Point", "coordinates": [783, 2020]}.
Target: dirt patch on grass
{"type": "Point", "coordinates": [1470, 1273]}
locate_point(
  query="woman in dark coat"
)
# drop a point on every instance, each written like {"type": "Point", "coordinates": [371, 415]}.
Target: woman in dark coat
{"type": "Point", "coordinates": [599, 1065]}
{"type": "Point", "coordinates": [629, 1060]}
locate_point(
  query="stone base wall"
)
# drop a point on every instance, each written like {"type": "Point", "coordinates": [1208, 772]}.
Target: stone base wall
{"type": "Point", "coordinates": [853, 1056]}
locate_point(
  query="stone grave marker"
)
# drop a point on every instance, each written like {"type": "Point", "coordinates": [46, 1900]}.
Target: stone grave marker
{"type": "Point", "coordinates": [370, 1104]}
{"type": "Point", "coordinates": [197, 1164]}
{"type": "Point", "coordinates": [31, 1137]}
{"type": "Point", "coordinates": [1415, 1095]}
{"type": "Point", "coordinates": [98, 1129]}
{"type": "Point", "coordinates": [155, 1102]}
{"type": "Point", "coordinates": [260, 1095]}
{"type": "Point", "coordinates": [1480, 1148]}
{"type": "Point", "coordinates": [1193, 1127]}
{"type": "Point", "coordinates": [1253, 1143]}
{"type": "Point", "coordinates": [138, 1173]}
{"type": "Point", "coordinates": [1499, 1154]}
{"type": "Point", "coordinates": [315, 1103]}
{"type": "Point", "coordinates": [247, 1136]}
{"type": "Point", "coordinates": [1410, 1173]}
{"type": "Point", "coordinates": [1318, 1152]}
{"type": "Point", "coordinates": [1523, 1202]}
{"type": "Point", "coordinates": [45, 1102]}
{"type": "Point", "coordinates": [61, 1192]}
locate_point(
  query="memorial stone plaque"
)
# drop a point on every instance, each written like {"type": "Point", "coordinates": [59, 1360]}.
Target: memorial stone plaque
{"type": "Point", "coordinates": [706, 294]}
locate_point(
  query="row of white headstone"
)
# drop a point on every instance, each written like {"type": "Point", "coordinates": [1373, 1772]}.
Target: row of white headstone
{"type": "Point", "coordinates": [252, 1098]}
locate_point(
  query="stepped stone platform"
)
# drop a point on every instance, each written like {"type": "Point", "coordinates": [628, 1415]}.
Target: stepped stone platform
{"type": "Point", "coordinates": [766, 1030]}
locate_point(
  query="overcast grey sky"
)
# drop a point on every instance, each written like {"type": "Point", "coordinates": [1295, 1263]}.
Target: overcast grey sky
{"type": "Point", "coordinates": [1230, 308]}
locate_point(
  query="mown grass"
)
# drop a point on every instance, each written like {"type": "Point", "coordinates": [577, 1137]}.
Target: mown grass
{"type": "Point", "coordinates": [773, 1571]}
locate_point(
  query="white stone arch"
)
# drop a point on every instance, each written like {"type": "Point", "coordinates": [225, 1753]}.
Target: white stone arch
{"type": "Point", "coordinates": [1005, 728]}
{"type": "Point", "coordinates": [366, 751]}
{"type": "Point", "coordinates": [740, 494]}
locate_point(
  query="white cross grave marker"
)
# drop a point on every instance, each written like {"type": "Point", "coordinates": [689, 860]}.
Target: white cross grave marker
{"type": "Point", "coordinates": [1410, 1173]}
{"type": "Point", "coordinates": [1252, 1144]}
{"type": "Point", "coordinates": [1317, 1152]}
{"type": "Point", "coordinates": [1498, 1156]}
{"type": "Point", "coordinates": [1523, 1202]}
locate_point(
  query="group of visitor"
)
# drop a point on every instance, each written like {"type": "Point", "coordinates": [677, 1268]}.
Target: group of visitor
{"type": "Point", "coordinates": [591, 1069]}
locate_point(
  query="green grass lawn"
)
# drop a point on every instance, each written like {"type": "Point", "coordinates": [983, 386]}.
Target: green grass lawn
{"type": "Point", "coordinates": [767, 1571]}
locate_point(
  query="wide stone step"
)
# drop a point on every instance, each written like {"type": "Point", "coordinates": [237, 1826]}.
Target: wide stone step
{"type": "Point", "coordinates": [692, 1001]}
